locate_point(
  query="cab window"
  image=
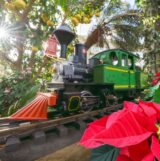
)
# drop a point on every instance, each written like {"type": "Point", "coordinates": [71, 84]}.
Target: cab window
{"type": "Point", "coordinates": [124, 60]}
{"type": "Point", "coordinates": [130, 62]}
{"type": "Point", "coordinates": [113, 58]}
{"type": "Point", "coordinates": [103, 56]}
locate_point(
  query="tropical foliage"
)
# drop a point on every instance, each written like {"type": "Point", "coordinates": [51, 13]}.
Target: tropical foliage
{"type": "Point", "coordinates": [151, 21]}
{"type": "Point", "coordinates": [15, 91]}
{"type": "Point", "coordinates": [118, 25]}
{"type": "Point", "coordinates": [153, 92]}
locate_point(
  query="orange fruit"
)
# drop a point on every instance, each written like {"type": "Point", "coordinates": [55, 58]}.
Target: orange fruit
{"type": "Point", "coordinates": [78, 16]}
{"type": "Point", "coordinates": [20, 4]}
{"type": "Point", "coordinates": [34, 49]}
{"type": "Point", "coordinates": [75, 21]}
{"type": "Point", "coordinates": [10, 6]}
{"type": "Point", "coordinates": [97, 14]}
{"type": "Point", "coordinates": [50, 23]}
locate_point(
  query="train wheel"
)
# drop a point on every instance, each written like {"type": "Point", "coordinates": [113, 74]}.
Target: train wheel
{"type": "Point", "coordinates": [111, 99]}
{"type": "Point", "coordinates": [88, 101]}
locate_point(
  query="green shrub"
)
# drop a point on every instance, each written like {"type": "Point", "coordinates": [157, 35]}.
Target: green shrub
{"type": "Point", "coordinates": [13, 90]}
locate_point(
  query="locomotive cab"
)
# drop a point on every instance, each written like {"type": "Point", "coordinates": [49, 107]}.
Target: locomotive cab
{"type": "Point", "coordinates": [117, 66]}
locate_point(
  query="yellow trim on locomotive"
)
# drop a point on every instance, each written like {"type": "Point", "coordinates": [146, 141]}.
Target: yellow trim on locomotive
{"type": "Point", "coordinates": [124, 86]}
{"type": "Point", "coordinates": [72, 97]}
{"type": "Point", "coordinates": [120, 70]}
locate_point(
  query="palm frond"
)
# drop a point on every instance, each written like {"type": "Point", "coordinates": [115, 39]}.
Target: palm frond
{"type": "Point", "coordinates": [120, 24]}
{"type": "Point", "coordinates": [94, 36]}
{"type": "Point", "coordinates": [106, 42]}
{"type": "Point", "coordinates": [127, 40]}
{"type": "Point", "coordinates": [114, 7]}
{"type": "Point", "coordinates": [131, 17]}
{"type": "Point", "coordinates": [127, 28]}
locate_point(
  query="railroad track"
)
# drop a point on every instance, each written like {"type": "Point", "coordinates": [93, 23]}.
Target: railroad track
{"type": "Point", "coordinates": [43, 137]}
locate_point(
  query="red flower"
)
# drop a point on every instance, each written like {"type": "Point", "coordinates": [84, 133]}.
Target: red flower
{"type": "Point", "coordinates": [158, 74]}
{"type": "Point", "coordinates": [157, 79]}
{"type": "Point", "coordinates": [138, 152]}
{"type": "Point", "coordinates": [151, 109]}
{"type": "Point", "coordinates": [128, 129]}
{"type": "Point", "coordinates": [155, 147]}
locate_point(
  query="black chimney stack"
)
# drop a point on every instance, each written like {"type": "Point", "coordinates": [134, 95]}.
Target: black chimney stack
{"type": "Point", "coordinates": [64, 35]}
{"type": "Point", "coordinates": [81, 53]}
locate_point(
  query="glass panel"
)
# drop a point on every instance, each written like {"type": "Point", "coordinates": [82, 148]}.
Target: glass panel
{"type": "Point", "coordinates": [113, 58]}
{"type": "Point", "coordinates": [130, 62]}
{"type": "Point", "coordinates": [124, 60]}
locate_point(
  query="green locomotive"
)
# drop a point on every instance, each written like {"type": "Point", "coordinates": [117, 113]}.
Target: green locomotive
{"type": "Point", "coordinates": [118, 66]}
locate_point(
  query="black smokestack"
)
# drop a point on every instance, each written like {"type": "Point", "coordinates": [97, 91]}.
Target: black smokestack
{"type": "Point", "coordinates": [64, 35]}
{"type": "Point", "coordinates": [81, 52]}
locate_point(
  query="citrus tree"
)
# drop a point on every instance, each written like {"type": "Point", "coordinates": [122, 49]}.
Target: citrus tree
{"type": "Point", "coordinates": [28, 24]}
{"type": "Point", "coordinates": [24, 28]}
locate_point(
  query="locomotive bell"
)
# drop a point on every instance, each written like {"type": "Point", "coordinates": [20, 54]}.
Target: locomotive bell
{"type": "Point", "coordinates": [64, 35]}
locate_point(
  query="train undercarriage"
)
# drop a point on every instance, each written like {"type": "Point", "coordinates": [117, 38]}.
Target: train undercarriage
{"type": "Point", "coordinates": [75, 97]}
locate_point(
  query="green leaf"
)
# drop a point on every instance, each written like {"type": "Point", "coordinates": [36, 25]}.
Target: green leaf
{"type": "Point", "coordinates": [104, 153]}
{"type": "Point", "coordinates": [28, 95]}
{"type": "Point", "coordinates": [156, 96]}
{"type": "Point", "coordinates": [152, 91]}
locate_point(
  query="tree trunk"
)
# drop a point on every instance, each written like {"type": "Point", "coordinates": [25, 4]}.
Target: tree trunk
{"type": "Point", "coordinates": [32, 61]}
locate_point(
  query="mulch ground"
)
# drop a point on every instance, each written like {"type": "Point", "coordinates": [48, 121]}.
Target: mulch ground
{"type": "Point", "coordinates": [74, 152]}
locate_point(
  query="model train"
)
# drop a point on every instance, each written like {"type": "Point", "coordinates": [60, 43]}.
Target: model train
{"type": "Point", "coordinates": [109, 77]}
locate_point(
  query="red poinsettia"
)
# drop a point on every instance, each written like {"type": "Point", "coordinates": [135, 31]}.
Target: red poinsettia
{"type": "Point", "coordinates": [132, 129]}
{"type": "Point", "coordinates": [158, 74]}
{"type": "Point", "coordinates": [157, 79]}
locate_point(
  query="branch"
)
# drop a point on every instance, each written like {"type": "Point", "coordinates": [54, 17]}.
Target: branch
{"type": "Point", "coordinates": [26, 11]}
{"type": "Point", "coordinates": [45, 60]}
{"type": "Point", "coordinates": [20, 56]}
{"type": "Point", "coordinates": [31, 60]}
{"type": "Point", "coordinates": [64, 19]}
{"type": "Point", "coordinates": [36, 37]}
{"type": "Point", "coordinates": [4, 56]}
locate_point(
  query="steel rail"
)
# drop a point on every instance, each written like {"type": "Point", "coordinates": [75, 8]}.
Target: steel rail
{"type": "Point", "coordinates": [31, 140]}
{"type": "Point", "coordinates": [24, 129]}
